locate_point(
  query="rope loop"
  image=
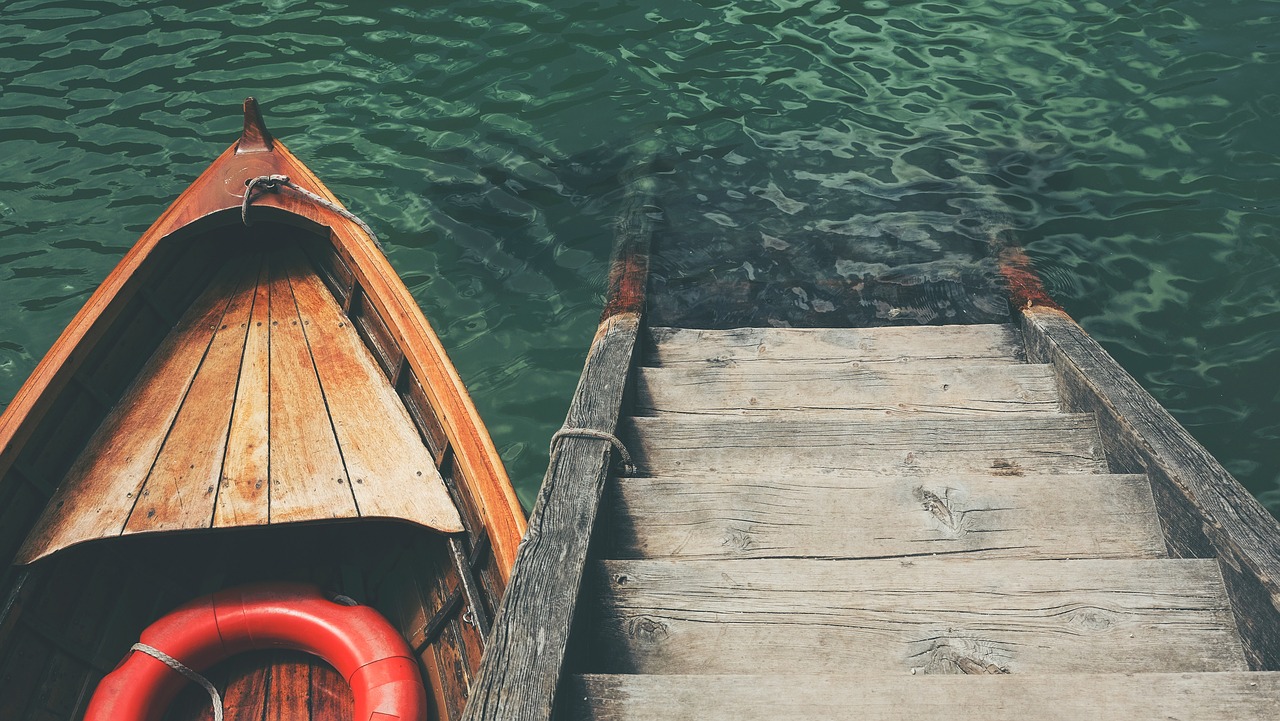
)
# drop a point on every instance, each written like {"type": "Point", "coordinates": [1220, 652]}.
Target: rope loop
{"type": "Point", "coordinates": [628, 466]}
{"type": "Point", "coordinates": [274, 183]}
{"type": "Point", "coordinates": [183, 669]}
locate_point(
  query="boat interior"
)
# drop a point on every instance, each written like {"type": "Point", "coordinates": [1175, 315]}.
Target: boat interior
{"type": "Point", "coordinates": [247, 393]}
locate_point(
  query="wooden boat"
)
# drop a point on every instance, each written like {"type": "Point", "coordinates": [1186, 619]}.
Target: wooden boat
{"type": "Point", "coordinates": [984, 521]}
{"type": "Point", "coordinates": [243, 403]}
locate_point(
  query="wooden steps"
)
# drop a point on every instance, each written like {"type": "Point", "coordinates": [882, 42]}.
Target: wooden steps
{"type": "Point", "coordinates": [1075, 697]}
{"type": "Point", "coordinates": [782, 515]}
{"type": "Point", "coordinates": [839, 523]}
{"type": "Point", "coordinates": [833, 442]}
{"type": "Point", "coordinates": [876, 390]}
{"type": "Point", "coordinates": [914, 616]}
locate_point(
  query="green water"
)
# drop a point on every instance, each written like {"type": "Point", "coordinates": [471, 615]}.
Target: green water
{"type": "Point", "coordinates": [1134, 146]}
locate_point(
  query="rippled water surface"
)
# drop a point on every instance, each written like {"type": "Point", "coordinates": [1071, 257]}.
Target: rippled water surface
{"type": "Point", "coordinates": [1133, 147]}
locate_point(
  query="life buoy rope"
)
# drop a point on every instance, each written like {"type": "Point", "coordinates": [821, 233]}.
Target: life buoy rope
{"type": "Point", "coordinates": [356, 640]}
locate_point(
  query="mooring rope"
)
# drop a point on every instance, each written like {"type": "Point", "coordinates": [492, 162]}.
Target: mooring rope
{"type": "Point", "coordinates": [182, 668]}
{"type": "Point", "coordinates": [273, 184]}
{"type": "Point", "coordinates": [628, 467]}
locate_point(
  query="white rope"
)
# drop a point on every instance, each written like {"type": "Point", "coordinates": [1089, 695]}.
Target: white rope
{"type": "Point", "coordinates": [628, 467]}
{"type": "Point", "coordinates": [182, 668]}
{"type": "Point", "coordinates": [273, 184]}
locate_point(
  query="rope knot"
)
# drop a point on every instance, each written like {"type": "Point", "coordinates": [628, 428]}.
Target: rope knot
{"type": "Point", "coordinates": [268, 183]}
{"type": "Point", "coordinates": [628, 466]}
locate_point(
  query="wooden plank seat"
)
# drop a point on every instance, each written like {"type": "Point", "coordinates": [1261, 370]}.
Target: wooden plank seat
{"type": "Point", "coordinates": [262, 406]}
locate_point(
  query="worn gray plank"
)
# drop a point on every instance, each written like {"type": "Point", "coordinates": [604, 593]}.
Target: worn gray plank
{"type": "Point", "coordinates": [954, 343]}
{"type": "Point", "coordinates": [1205, 510]}
{"type": "Point", "coordinates": [877, 389]}
{"type": "Point", "coordinates": [782, 515]}
{"type": "Point", "coordinates": [1083, 697]}
{"type": "Point", "coordinates": [922, 616]}
{"type": "Point", "coordinates": [521, 666]}
{"type": "Point", "coordinates": [1012, 445]}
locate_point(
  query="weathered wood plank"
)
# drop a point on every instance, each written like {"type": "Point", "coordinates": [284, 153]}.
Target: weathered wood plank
{"type": "Point", "coordinates": [99, 492]}
{"type": "Point", "coordinates": [781, 515]}
{"type": "Point", "coordinates": [1200, 502]}
{"type": "Point", "coordinates": [1083, 697]}
{"type": "Point", "coordinates": [243, 492]}
{"type": "Point", "coordinates": [308, 479]}
{"type": "Point", "coordinates": [923, 616]}
{"type": "Point", "coordinates": [392, 473]}
{"type": "Point", "coordinates": [985, 344]}
{"type": "Point", "coordinates": [180, 491]}
{"type": "Point", "coordinates": [878, 390]}
{"type": "Point", "coordinates": [1013, 445]}
{"type": "Point", "coordinates": [526, 649]}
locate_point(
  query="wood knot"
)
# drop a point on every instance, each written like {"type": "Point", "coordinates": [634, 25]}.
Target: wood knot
{"type": "Point", "coordinates": [737, 539]}
{"type": "Point", "coordinates": [1090, 618]}
{"type": "Point", "coordinates": [938, 507]}
{"type": "Point", "coordinates": [968, 656]}
{"type": "Point", "coordinates": [648, 630]}
{"type": "Point", "coordinates": [1005, 467]}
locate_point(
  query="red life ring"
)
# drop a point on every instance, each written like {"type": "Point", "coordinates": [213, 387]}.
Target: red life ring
{"type": "Point", "coordinates": [355, 640]}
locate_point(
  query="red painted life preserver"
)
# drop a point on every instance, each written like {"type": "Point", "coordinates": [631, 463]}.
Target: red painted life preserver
{"type": "Point", "coordinates": [355, 640]}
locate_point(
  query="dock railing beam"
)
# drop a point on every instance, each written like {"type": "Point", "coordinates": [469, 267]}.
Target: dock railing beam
{"type": "Point", "coordinates": [525, 655]}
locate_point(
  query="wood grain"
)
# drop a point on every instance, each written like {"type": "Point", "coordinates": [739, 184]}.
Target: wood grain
{"type": "Point", "coordinates": [1204, 508]}
{"type": "Point", "coordinates": [392, 473]}
{"type": "Point", "coordinates": [874, 390]}
{"type": "Point", "coordinates": [243, 493]}
{"type": "Point", "coordinates": [212, 201]}
{"type": "Point", "coordinates": [1012, 445]}
{"type": "Point", "coordinates": [1075, 697]}
{"type": "Point", "coordinates": [308, 479]}
{"type": "Point", "coordinates": [100, 490]}
{"type": "Point", "coordinates": [180, 491]}
{"type": "Point", "coordinates": [785, 516]}
{"type": "Point", "coordinates": [922, 616]}
{"type": "Point", "coordinates": [984, 344]}
{"type": "Point", "coordinates": [526, 649]}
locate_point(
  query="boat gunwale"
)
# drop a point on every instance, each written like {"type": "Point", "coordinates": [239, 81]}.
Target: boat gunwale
{"type": "Point", "coordinates": [204, 206]}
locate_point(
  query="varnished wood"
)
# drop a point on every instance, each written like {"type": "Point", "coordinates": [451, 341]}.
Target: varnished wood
{"type": "Point", "coordinates": [212, 201]}
{"type": "Point", "coordinates": [243, 486]}
{"type": "Point", "coordinates": [101, 489]}
{"type": "Point", "coordinates": [926, 615]}
{"type": "Point", "coordinates": [392, 474]}
{"type": "Point", "coordinates": [850, 694]}
{"type": "Point", "coordinates": [180, 489]}
{"type": "Point", "coordinates": [308, 477]}
{"type": "Point", "coordinates": [69, 644]}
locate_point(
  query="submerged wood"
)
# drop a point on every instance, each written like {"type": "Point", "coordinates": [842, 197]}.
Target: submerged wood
{"type": "Point", "coordinates": [868, 505]}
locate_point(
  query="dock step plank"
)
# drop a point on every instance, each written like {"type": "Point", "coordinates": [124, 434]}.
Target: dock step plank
{"type": "Point", "coordinates": [1082, 697]}
{"type": "Point", "coordinates": [878, 390]}
{"type": "Point", "coordinates": [1009, 445]}
{"type": "Point", "coordinates": [782, 516]}
{"type": "Point", "coordinates": [990, 343]}
{"type": "Point", "coordinates": [921, 617]}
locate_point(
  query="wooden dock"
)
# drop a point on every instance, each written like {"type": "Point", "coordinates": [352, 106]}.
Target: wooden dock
{"type": "Point", "coordinates": [986, 521]}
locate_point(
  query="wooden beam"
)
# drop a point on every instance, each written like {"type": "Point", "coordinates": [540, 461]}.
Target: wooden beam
{"type": "Point", "coordinates": [521, 667]}
{"type": "Point", "coordinates": [1204, 509]}
{"type": "Point", "coordinates": [1076, 697]}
